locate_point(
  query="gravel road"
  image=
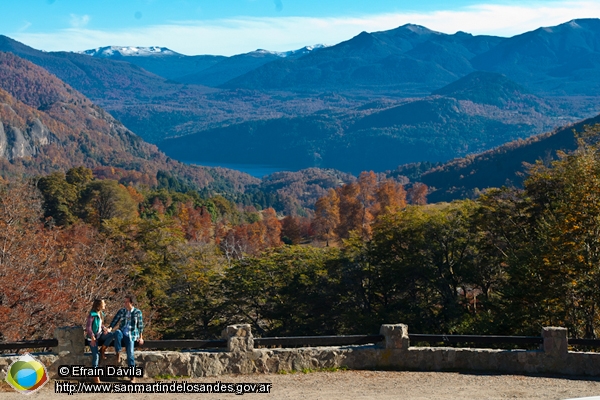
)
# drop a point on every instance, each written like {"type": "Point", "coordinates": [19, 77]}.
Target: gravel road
{"type": "Point", "coordinates": [369, 385]}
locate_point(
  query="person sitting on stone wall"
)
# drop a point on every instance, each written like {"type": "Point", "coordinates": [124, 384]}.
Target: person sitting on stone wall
{"type": "Point", "coordinates": [98, 334]}
{"type": "Point", "coordinates": [130, 329]}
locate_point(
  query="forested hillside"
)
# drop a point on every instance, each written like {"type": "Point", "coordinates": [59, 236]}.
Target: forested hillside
{"type": "Point", "coordinates": [478, 112]}
{"type": "Point", "coordinates": [45, 126]}
{"type": "Point", "coordinates": [505, 165]}
{"type": "Point", "coordinates": [510, 262]}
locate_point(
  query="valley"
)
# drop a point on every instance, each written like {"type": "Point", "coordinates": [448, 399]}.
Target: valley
{"type": "Point", "coordinates": [374, 102]}
{"type": "Point", "coordinates": [447, 181]}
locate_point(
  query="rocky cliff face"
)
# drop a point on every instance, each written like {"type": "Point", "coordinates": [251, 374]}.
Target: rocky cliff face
{"type": "Point", "coordinates": [20, 143]}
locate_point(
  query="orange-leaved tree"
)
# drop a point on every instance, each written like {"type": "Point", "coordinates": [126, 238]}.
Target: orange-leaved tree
{"type": "Point", "coordinates": [327, 216]}
{"type": "Point", "coordinates": [49, 276]}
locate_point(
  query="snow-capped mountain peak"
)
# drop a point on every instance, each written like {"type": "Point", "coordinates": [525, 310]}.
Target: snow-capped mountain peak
{"type": "Point", "coordinates": [299, 52]}
{"type": "Point", "coordinates": [112, 51]}
{"type": "Point", "coordinates": [137, 51]}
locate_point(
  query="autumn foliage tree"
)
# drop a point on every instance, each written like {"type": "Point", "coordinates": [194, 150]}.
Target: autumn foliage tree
{"type": "Point", "coordinates": [250, 239]}
{"type": "Point", "coordinates": [49, 276]}
{"type": "Point", "coordinates": [351, 217]}
{"type": "Point", "coordinates": [327, 216]}
{"type": "Point", "coordinates": [354, 207]}
{"type": "Point", "coordinates": [290, 230]}
{"type": "Point", "coordinates": [195, 222]}
{"type": "Point", "coordinates": [417, 194]}
{"type": "Point", "coordinates": [390, 198]}
{"type": "Point", "coordinates": [367, 187]}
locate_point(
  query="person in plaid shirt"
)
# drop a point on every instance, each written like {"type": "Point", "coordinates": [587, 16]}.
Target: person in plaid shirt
{"type": "Point", "coordinates": [130, 328]}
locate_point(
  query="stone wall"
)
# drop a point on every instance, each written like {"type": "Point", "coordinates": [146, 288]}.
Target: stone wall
{"type": "Point", "coordinates": [394, 353]}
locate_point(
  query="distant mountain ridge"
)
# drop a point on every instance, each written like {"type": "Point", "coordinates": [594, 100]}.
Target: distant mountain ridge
{"type": "Point", "coordinates": [97, 77]}
{"type": "Point", "coordinates": [414, 59]}
{"type": "Point", "coordinates": [375, 101]}
{"type": "Point", "coordinates": [410, 58]}
{"type": "Point", "coordinates": [429, 129]}
{"type": "Point", "coordinates": [203, 69]}
{"type": "Point", "coordinates": [563, 59]}
{"type": "Point", "coordinates": [302, 51]}
{"type": "Point", "coordinates": [231, 67]}
{"type": "Point", "coordinates": [158, 51]}
{"type": "Point", "coordinates": [46, 125]}
{"type": "Point", "coordinates": [129, 51]}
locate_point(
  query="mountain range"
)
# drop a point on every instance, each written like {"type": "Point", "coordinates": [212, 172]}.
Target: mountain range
{"type": "Point", "coordinates": [415, 60]}
{"type": "Point", "coordinates": [156, 107]}
{"type": "Point", "coordinates": [200, 70]}
{"type": "Point", "coordinates": [47, 126]}
{"type": "Point", "coordinates": [411, 59]}
{"type": "Point", "coordinates": [376, 101]}
{"type": "Point", "coordinates": [475, 113]}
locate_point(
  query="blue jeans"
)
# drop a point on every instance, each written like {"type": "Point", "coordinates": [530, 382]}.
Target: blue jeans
{"type": "Point", "coordinates": [128, 343]}
{"type": "Point", "coordinates": [103, 340]}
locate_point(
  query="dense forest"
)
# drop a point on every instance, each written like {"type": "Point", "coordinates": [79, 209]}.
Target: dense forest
{"type": "Point", "coordinates": [373, 252]}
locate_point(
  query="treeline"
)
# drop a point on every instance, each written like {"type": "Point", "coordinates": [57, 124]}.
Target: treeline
{"type": "Point", "coordinates": [71, 237]}
{"type": "Point", "coordinates": [510, 262]}
{"type": "Point", "coordinates": [48, 276]}
{"type": "Point", "coordinates": [465, 177]}
{"type": "Point", "coordinates": [84, 196]}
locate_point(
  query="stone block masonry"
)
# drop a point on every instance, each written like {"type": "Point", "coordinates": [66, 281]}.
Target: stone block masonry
{"type": "Point", "coordinates": [393, 353]}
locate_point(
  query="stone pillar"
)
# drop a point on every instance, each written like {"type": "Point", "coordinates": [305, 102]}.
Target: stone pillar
{"type": "Point", "coordinates": [239, 338]}
{"type": "Point", "coordinates": [71, 345]}
{"type": "Point", "coordinates": [71, 341]}
{"type": "Point", "coordinates": [555, 341]}
{"type": "Point", "coordinates": [396, 336]}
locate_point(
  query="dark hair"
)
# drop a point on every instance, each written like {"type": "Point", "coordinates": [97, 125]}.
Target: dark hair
{"type": "Point", "coordinates": [97, 305]}
{"type": "Point", "coordinates": [131, 298]}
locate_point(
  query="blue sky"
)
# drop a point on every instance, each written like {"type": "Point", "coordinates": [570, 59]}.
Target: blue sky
{"type": "Point", "coordinates": [236, 26]}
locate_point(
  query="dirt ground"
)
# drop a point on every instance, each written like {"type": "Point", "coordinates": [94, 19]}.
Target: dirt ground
{"type": "Point", "coordinates": [369, 385]}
